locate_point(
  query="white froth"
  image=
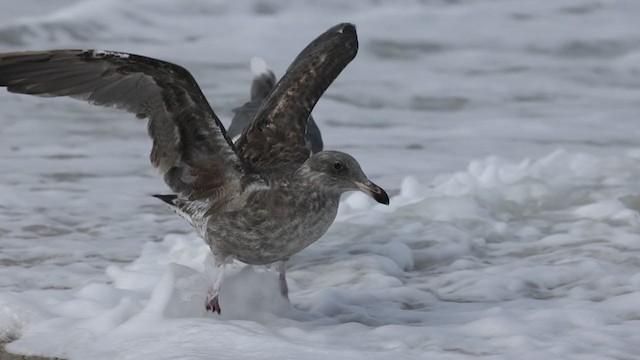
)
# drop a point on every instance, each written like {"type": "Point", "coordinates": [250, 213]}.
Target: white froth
{"type": "Point", "coordinates": [475, 271]}
{"type": "Point", "coordinates": [515, 237]}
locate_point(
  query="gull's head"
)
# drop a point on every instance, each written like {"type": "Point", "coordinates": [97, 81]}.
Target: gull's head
{"type": "Point", "coordinates": [340, 172]}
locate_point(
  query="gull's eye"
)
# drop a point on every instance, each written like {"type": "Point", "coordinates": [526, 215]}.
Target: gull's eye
{"type": "Point", "coordinates": [338, 165]}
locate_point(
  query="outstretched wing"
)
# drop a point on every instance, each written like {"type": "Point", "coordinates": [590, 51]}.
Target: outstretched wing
{"type": "Point", "coordinates": [263, 82]}
{"type": "Point", "coordinates": [276, 137]}
{"type": "Point", "coordinates": [190, 146]}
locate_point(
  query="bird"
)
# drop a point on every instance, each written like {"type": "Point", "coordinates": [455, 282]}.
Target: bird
{"type": "Point", "coordinates": [259, 200]}
{"type": "Point", "coordinates": [263, 82]}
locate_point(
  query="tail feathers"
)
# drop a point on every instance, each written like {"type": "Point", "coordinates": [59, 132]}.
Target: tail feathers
{"type": "Point", "coordinates": [192, 211]}
{"type": "Point", "coordinates": [264, 80]}
{"type": "Point", "coordinates": [169, 199]}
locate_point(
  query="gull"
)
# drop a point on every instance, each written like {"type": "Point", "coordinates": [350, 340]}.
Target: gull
{"type": "Point", "coordinates": [258, 201]}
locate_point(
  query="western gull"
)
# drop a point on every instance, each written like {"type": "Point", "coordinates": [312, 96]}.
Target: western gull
{"type": "Point", "coordinates": [260, 200]}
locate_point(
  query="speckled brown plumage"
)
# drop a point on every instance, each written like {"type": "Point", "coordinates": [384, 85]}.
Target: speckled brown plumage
{"type": "Point", "coordinates": [259, 202]}
{"type": "Point", "coordinates": [277, 134]}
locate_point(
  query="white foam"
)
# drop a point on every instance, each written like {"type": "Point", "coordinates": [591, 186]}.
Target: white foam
{"type": "Point", "coordinates": [474, 271]}
{"type": "Point", "coordinates": [516, 236]}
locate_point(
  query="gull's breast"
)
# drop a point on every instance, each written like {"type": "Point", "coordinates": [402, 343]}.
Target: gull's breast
{"type": "Point", "coordinates": [269, 231]}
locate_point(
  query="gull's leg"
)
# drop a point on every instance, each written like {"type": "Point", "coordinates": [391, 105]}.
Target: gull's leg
{"type": "Point", "coordinates": [211, 301]}
{"type": "Point", "coordinates": [282, 268]}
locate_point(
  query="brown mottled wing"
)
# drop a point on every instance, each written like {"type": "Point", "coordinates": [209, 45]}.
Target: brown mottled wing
{"type": "Point", "coordinates": [190, 146]}
{"type": "Point", "coordinates": [276, 136]}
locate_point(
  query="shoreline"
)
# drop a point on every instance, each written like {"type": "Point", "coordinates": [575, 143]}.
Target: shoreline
{"type": "Point", "coordinates": [4, 355]}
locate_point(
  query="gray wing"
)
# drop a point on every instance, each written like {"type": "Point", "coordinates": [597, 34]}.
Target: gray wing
{"type": "Point", "coordinates": [276, 137]}
{"type": "Point", "coordinates": [190, 146]}
{"type": "Point", "coordinates": [242, 117]}
{"type": "Point", "coordinates": [262, 84]}
{"type": "Point", "coordinates": [313, 136]}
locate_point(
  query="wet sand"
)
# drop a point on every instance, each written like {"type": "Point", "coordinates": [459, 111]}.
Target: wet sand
{"type": "Point", "coordinates": [4, 355]}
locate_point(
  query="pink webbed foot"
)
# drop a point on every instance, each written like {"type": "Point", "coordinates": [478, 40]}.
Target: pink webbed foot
{"type": "Point", "coordinates": [213, 305]}
{"type": "Point", "coordinates": [284, 289]}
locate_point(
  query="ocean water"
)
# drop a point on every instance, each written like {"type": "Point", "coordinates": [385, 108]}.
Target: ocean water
{"type": "Point", "coordinates": [506, 132]}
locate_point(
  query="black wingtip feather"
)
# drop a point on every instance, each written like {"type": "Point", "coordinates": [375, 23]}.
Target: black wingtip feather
{"type": "Point", "coordinates": [166, 198]}
{"type": "Point", "coordinates": [348, 28]}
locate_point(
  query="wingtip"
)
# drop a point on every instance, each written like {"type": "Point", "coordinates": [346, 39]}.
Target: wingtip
{"type": "Point", "coordinates": [264, 79]}
{"type": "Point", "coordinates": [259, 66]}
{"type": "Point", "coordinates": [347, 28]}
{"type": "Point", "coordinates": [344, 33]}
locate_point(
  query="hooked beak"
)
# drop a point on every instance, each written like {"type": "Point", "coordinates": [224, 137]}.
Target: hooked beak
{"type": "Point", "coordinates": [374, 191]}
